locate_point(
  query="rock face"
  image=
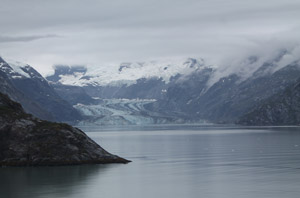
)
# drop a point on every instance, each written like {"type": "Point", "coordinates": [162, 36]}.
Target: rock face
{"type": "Point", "coordinates": [26, 86]}
{"type": "Point", "coordinates": [280, 109]}
{"type": "Point", "coordinates": [72, 94]}
{"type": "Point", "coordinates": [227, 99]}
{"type": "Point", "coordinates": [28, 141]}
{"type": "Point", "coordinates": [7, 87]}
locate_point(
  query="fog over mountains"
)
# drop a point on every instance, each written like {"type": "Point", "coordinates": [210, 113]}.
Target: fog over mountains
{"type": "Point", "coordinates": [102, 33]}
{"type": "Point", "coordinates": [187, 90]}
{"type": "Point", "coordinates": [124, 73]}
{"type": "Point", "coordinates": [244, 65]}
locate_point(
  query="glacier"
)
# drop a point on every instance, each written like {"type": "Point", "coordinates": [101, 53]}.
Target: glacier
{"type": "Point", "coordinates": [123, 112]}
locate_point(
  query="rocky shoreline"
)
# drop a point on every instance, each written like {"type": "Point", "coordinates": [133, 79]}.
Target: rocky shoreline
{"type": "Point", "coordinates": [29, 141]}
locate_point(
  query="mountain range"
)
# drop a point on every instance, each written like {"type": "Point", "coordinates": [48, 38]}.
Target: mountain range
{"type": "Point", "coordinates": [156, 92]}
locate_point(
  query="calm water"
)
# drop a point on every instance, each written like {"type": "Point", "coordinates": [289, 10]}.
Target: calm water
{"type": "Point", "coordinates": [173, 161]}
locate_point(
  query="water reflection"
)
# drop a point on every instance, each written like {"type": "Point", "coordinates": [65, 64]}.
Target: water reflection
{"type": "Point", "coordinates": [36, 182]}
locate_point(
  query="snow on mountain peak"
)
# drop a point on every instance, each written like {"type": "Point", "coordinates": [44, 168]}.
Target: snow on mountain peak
{"type": "Point", "coordinates": [125, 73]}
{"type": "Point", "coordinates": [19, 70]}
{"type": "Point", "coordinates": [14, 69]}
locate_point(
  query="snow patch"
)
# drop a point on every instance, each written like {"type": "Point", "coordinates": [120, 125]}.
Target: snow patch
{"type": "Point", "coordinates": [18, 69]}
{"type": "Point", "coordinates": [129, 73]}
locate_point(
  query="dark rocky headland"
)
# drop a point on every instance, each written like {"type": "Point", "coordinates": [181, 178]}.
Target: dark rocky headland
{"type": "Point", "coordinates": [29, 141]}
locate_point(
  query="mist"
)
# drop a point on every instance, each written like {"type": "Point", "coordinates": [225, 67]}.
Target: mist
{"type": "Point", "coordinates": [100, 33]}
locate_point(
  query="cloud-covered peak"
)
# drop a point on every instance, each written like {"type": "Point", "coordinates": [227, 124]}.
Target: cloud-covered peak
{"type": "Point", "coordinates": [125, 73]}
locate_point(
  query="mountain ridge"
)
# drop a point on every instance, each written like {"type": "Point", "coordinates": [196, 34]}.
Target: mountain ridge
{"type": "Point", "coordinates": [191, 92]}
{"type": "Point", "coordinates": [28, 87]}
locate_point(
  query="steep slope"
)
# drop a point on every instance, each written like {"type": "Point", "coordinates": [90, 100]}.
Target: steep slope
{"type": "Point", "coordinates": [280, 109]}
{"type": "Point", "coordinates": [181, 92]}
{"type": "Point", "coordinates": [28, 141]}
{"type": "Point", "coordinates": [37, 90]}
{"type": "Point", "coordinates": [230, 97]}
{"type": "Point", "coordinates": [151, 88]}
{"type": "Point", "coordinates": [7, 87]}
{"type": "Point", "coordinates": [72, 94]}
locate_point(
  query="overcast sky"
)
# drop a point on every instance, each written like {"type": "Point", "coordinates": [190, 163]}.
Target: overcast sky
{"type": "Point", "coordinates": [96, 32]}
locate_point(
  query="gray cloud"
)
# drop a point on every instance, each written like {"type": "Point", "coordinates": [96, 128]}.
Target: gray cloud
{"type": "Point", "coordinates": [98, 32]}
{"type": "Point", "coordinates": [4, 39]}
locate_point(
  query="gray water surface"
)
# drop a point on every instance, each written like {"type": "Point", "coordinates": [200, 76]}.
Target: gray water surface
{"type": "Point", "coordinates": [175, 162]}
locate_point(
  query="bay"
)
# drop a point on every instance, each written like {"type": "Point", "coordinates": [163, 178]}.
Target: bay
{"type": "Point", "coordinates": [173, 161]}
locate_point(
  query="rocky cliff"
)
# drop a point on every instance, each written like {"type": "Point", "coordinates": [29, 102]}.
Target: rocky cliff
{"type": "Point", "coordinates": [28, 141]}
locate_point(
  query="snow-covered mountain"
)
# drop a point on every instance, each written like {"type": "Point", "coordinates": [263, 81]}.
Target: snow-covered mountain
{"type": "Point", "coordinates": [27, 86]}
{"type": "Point", "coordinates": [187, 90]}
{"type": "Point", "coordinates": [125, 73]}
{"type": "Point", "coordinates": [15, 69]}
{"type": "Point", "coordinates": [123, 87]}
